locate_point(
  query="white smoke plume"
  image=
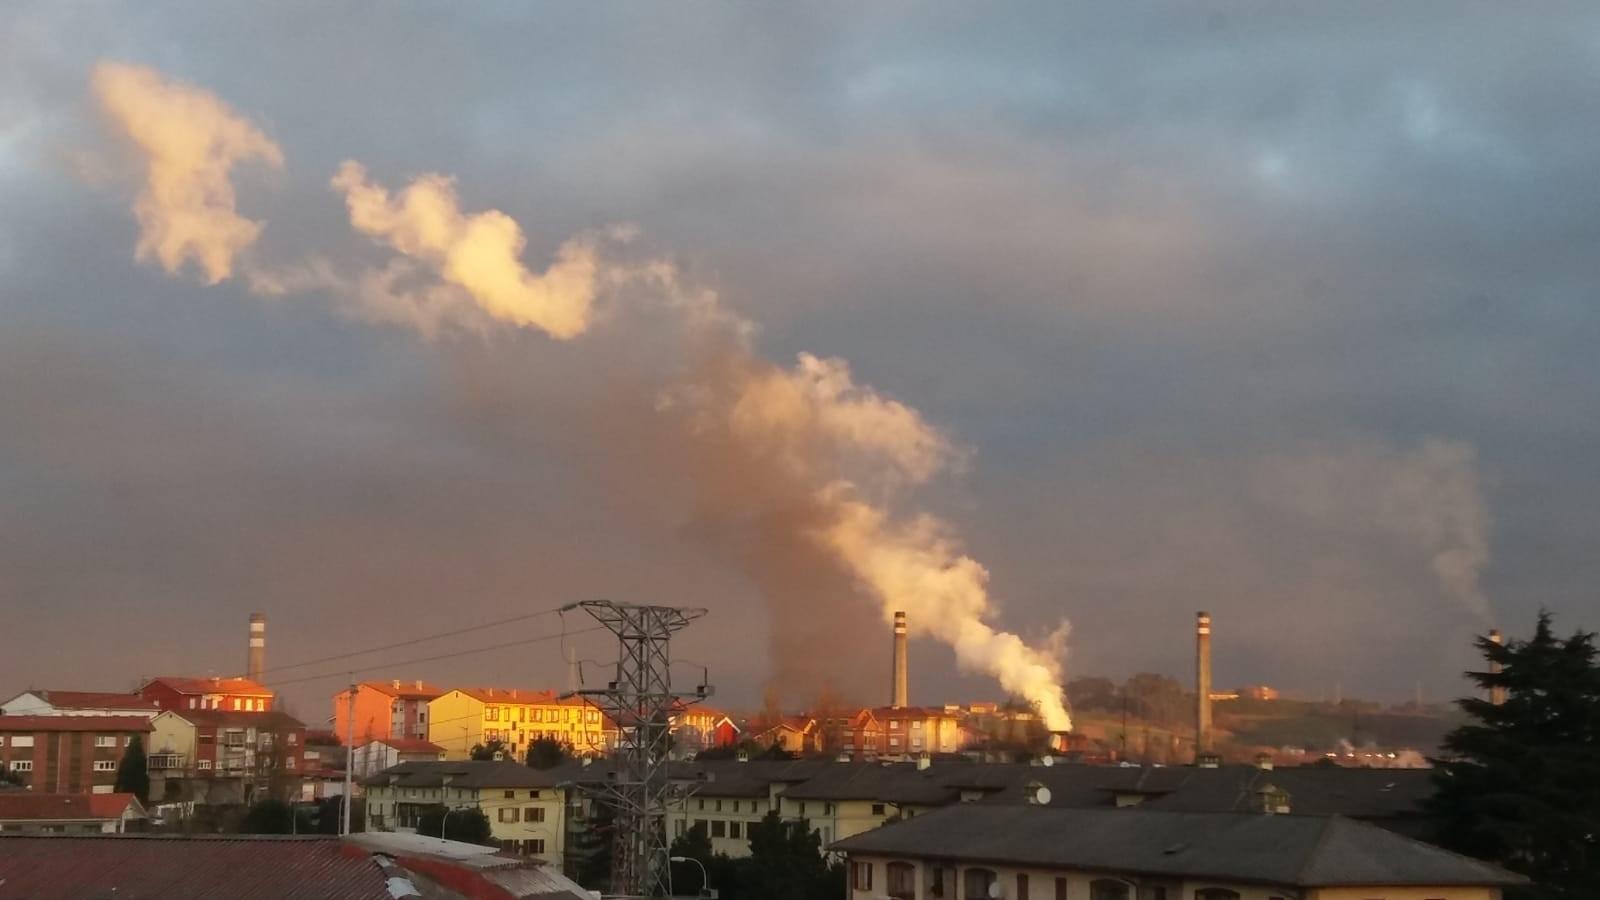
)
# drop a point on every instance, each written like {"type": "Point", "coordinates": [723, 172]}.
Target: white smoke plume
{"type": "Point", "coordinates": [190, 141]}
{"type": "Point", "coordinates": [809, 443]}
{"type": "Point", "coordinates": [480, 252]}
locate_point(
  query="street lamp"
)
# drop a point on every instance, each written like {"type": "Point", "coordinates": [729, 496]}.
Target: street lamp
{"type": "Point", "coordinates": [442, 821]}
{"type": "Point", "coordinates": [705, 880]}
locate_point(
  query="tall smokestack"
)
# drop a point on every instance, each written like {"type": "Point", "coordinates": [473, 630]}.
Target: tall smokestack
{"type": "Point", "coordinates": [1497, 695]}
{"type": "Point", "coordinates": [258, 647]}
{"type": "Point", "coordinates": [1202, 683]}
{"type": "Point", "coordinates": [897, 698]}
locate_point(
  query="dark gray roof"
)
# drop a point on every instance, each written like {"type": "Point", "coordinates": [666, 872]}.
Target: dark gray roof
{"type": "Point", "coordinates": [1298, 851]}
{"type": "Point", "coordinates": [467, 774]}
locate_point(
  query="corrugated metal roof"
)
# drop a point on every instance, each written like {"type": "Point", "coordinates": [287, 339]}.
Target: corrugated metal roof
{"type": "Point", "coordinates": [150, 867]}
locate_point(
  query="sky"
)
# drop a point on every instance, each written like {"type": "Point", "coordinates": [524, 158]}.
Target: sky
{"type": "Point", "coordinates": [1283, 312]}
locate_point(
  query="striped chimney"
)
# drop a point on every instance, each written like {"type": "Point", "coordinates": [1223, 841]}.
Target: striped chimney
{"type": "Point", "coordinates": [897, 689]}
{"type": "Point", "coordinates": [1202, 683]}
{"type": "Point", "coordinates": [258, 647]}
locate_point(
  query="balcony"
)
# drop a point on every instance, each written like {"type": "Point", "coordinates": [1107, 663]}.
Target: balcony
{"type": "Point", "coordinates": [165, 761]}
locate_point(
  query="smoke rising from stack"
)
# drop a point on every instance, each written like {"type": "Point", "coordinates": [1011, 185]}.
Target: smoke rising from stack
{"type": "Point", "coordinates": [831, 458]}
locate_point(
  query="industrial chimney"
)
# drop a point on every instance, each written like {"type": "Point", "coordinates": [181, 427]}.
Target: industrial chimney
{"type": "Point", "coordinates": [258, 647]}
{"type": "Point", "coordinates": [897, 698]}
{"type": "Point", "coordinates": [1497, 695]}
{"type": "Point", "coordinates": [1202, 684]}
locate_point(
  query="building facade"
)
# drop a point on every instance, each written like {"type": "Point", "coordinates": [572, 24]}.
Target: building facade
{"type": "Point", "coordinates": [384, 709]}
{"type": "Point", "coordinates": [26, 812]}
{"type": "Point", "coordinates": [463, 718]}
{"type": "Point", "coordinates": [375, 756]}
{"type": "Point", "coordinates": [526, 807]}
{"type": "Point", "coordinates": [221, 756]}
{"type": "Point", "coordinates": [68, 754]}
{"type": "Point", "coordinates": [229, 694]}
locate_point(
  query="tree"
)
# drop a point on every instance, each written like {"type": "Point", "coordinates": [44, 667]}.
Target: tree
{"type": "Point", "coordinates": [547, 753]}
{"type": "Point", "coordinates": [133, 777]}
{"type": "Point", "coordinates": [693, 844]}
{"type": "Point", "coordinates": [1158, 698]}
{"type": "Point", "coordinates": [589, 851]}
{"type": "Point", "coordinates": [491, 750]}
{"type": "Point", "coordinates": [786, 863]}
{"type": "Point", "coordinates": [9, 777]}
{"type": "Point", "coordinates": [275, 817]}
{"type": "Point", "coordinates": [468, 825]}
{"type": "Point", "coordinates": [1520, 782]}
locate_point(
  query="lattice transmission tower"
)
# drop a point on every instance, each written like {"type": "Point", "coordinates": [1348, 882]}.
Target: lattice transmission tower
{"type": "Point", "coordinates": [642, 702]}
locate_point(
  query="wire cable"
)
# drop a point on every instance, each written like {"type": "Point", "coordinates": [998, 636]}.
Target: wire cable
{"type": "Point", "coordinates": [349, 672]}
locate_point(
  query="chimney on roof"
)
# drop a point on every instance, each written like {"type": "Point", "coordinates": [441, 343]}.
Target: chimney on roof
{"type": "Point", "coordinates": [258, 647]}
{"type": "Point", "coordinates": [1264, 762]}
{"type": "Point", "coordinates": [395, 684]}
{"type": "Point", "coordinates": [897, 698]}
{"type": "Point", "coordinates": [1202, 684]}
{"type": "Point", "coordinates": [1497, 695]}
{"type": "Point", "coordinates": [419, 684]}
{"type": "Point", "coordinates": [924, 761]}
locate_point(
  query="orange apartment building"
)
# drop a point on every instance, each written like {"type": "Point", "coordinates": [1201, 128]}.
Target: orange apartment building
{"type": "Point", "coordinates": [384, 709]}
{"type": "Point", "coordinates": [68, 754]}
{"type": "Point", "coordinates": [230, 694]}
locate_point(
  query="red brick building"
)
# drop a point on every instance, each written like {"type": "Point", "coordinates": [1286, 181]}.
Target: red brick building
{"type": "Point", "coordinates": [385, 709]}
{"type": "Point", "coordinates": [68, 754]}
{"type": "Point", "coordinates": [231, 694]}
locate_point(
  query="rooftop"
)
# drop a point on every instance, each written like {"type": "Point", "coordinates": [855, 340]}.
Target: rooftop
{"type": "Point", "coordinates": [230, 718]}
{"type": "Point", "coordinates": [468, 774]}
{"type": "Point", "coordinates": [216, 685]}
{"type": "Point", "coordinates": [1298, 851]}
{"type": "Point", "coordinates": [91, 699]}
{"type": "Point", "coordinates": [404, 690]}
{"type": "Point", "coordinates": [74, 723]}
{"type": "Point", "coordinates": [30, 806]}
{"type": "Point", "coordinates": [409, 745]}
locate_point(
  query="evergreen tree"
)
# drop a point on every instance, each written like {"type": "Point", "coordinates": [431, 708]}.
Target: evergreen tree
{"type": "Point", "coordinates": [491, 750]}
{"type": "Point", "coordinates": [786, 863]}
{"type": "Point", "coordinates": [273, 817]}
{"type": "Point", "coordinates": [547, 753]}
{"type": "Point", "coordinates": [467, 825]}
{"type": "Point", "coordinates": [692, 844]}
{"type": "Point", "coordinates": [133, 777]}
{"type": "Point", "coordinates": [1520, 783]}
{"type": "Point", "coordinates": [589, 851]}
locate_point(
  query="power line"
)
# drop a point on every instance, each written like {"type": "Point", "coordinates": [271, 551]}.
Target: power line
{"type": "Point", "coordinates": [343, 673]}
{"type": "Point", "coordinates": [421, 640]}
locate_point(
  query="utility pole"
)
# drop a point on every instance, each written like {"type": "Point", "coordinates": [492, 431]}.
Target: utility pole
{"type": "Point", "coordinates": [641, 701]}
{"type": "Point", "coordinates": [349, 754]}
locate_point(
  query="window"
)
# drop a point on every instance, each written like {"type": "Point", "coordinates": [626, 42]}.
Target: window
{"type": "Point", "coordinates": [827, 809]}
{"type": "Point", "coordinates": [293, 738]}
{"type": "Point", "coordinates": [105, 740]}
{"type": "Point", "coordinates": [861, 876]}
{"type": "Point", "coordinates": [205, 764]}
{"type": "Point", "coordinates": [877, 809]}
{"type": "Point", "coordinates": [510, 795]}
{"type": "Point", "coordinates": [22, 740]}
{"type": "Point", "coordinates": [976, 884]}
{"type": "Point", "coordinates": [1107, 889]}
{"type": "Point", "coordinates": [533, 795]}
{"type": "Point", "coordinates": [191, 703]}
{"type": "Point", "coordinates": [901, 878]}
{"type": "Point", "coordinates": [719, 828]}
{"type": "Point", "coordinates": [492, 714]}
{"type": "Point", "coordinates": [105, 765]}
{"type": "Point", "coordinates": [533, 814]}
{"type": "Point", "coordinates": [802, 807]}
{"type": "Point", "coordinates": [733, 829]}
{"type": "Point", "coordinates": [719, 806]}
{"type": "Point", "coordinates": [1061, 889]}
{"type": "Point", "coordinates": [536, 845]}
{"type": "Point", "coordinates": [1022, 885]}
{"type": "Point", "coordinates": [22, 765]}
{"type": "Point", "coordinates": [702, 803]}
{"type": "Point", "coordinates": [1216, 894]}
{"type": "Point", "coordinates": [701, 824]}
{"type": "Point", "coordinates": [510, 814]}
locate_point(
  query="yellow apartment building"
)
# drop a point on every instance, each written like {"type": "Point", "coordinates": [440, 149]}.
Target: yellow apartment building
{"type": "Point", "coordinates": [525, 807]}
{"type": "Point", "coordinates": [461, 718]}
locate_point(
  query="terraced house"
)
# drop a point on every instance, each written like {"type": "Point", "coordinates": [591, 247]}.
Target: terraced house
{"type": "Point", "coordinates": [462, 718]}
{"type": "Point", "coordinates": [526, 807]}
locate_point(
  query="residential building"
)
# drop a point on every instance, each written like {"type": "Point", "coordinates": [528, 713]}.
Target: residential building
{"type": "Point", "coordinates": [909, 730]}
{"type": "Point", "coordinates": [356, 867]}
{"type": "Point", "coordinates": [375, 756]}
{"type": "Point", "coordinates": [525, 806]}
{"type": "Point", "coordinates": [792, 734]}
{"type": "Point", "coordinates": [39, 702]}
{"type": "Point", "coordinates": [384, 709]}
{"type": "Point", "coordinates": [222, 756]}
{"type": "Point", "coordinates": [462, 718]}
{"type": "Point", "coordinates": [697, 728]}
{"type": "Point", "coordinates": [231, 694]}
{"type": "Point", "coordinates": [68, 754]}
{"type": "Point", "coordinates": [1035, 852]}
{"type": "Point", "coordinates": [30, 813]}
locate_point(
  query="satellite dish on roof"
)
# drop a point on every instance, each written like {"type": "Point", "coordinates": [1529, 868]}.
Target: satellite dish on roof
{"type": "Point", "coordinates": [1049, 760]}
{"type": "Point", "coordinates": [995, 890]}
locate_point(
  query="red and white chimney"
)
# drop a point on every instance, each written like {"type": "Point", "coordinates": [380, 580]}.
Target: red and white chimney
{"type": "Point", "coordinates": [258, 647]}
{"type": "Point", "coordinates": [897, 690]}
{"type": "Point", "coordinates": [1202, 683]}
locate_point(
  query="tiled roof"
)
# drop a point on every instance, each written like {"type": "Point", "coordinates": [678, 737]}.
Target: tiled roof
{"type": "Point", "coordinates": [93, 700]}
{"type": "Point", "coordinates": [509, 695]}
{"type": "Point", "coordinates": [146, 867]}
{"type": "Point", "coordinates": [409, 745]}
{"type": "Point", "coordinates": [27, 805]}
{"type": "Point", "coordinates": [1299, 851]}
{"type": "Point", "coordinates": [188, 685]}
{"type": "Point", "coordinates": [468, 773]}
{"type": "Point", "coordinates": [228, 718]}
{"type": "Point", "coordinates": [404, 690]}
{"type": "Point", "coordinates": [74, 723]}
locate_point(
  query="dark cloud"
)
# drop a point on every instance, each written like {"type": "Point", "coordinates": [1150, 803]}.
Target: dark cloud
{"type": "Point", "coordinates": [1143, 262]}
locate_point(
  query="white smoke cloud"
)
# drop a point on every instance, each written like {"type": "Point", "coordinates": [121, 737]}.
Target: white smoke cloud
{"type": "Point", "coordinates": [479, 253]}
{"type": "Point", "coordinates": [190, 141]}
